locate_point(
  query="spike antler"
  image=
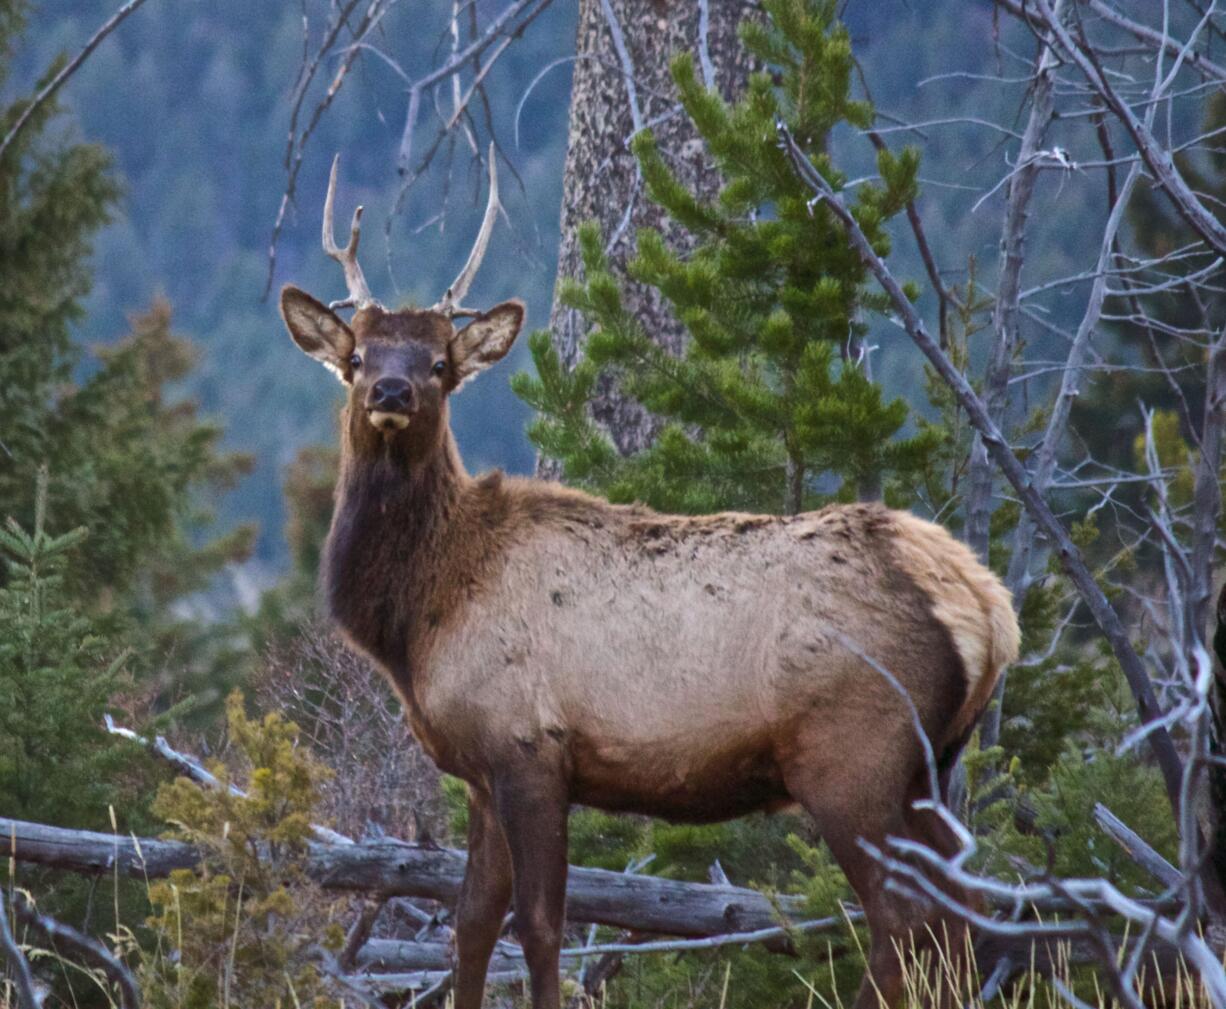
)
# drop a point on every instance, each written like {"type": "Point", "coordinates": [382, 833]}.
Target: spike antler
{"type": "Point", "coordinates": [451, 301]}
{"type": "Point", "coordinates": [359, 293]}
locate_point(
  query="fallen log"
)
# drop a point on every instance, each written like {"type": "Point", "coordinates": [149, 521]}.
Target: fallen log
{"type": "Point", "coordinates": [395, 868]}
{"type": "Point", "coordinates": [397, 956]}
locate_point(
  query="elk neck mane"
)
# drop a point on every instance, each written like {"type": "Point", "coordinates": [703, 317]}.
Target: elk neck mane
{"type": "Point", "coordinates": [411, 546]}
{"type": "Point", "coordinates": [391, 526]}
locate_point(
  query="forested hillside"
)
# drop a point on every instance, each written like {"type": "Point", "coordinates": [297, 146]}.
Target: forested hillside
{"type": "Point", "coordinates": [194, 103]}
{"type": "Point", "coordinates": [851, 626]}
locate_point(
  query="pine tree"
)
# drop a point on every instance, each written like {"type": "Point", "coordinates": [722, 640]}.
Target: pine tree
{"type": "Point", "coordinates": [130, 462]}
{"type": "Point", "coordinates": [59, 670]}
{"type": "Point", "coordinates": [126, 458]}
{"type": "Point", "coordinates": [771, 407]}
{"type": "Point", "coordinates": [53, 197]}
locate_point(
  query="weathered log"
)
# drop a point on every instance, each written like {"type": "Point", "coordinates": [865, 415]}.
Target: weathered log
{"type": "Point", "coordinates": [423, 980]}
{"type": "Point", "coordinates": [88, 852]}
{"type": "Point", "coordinates": [394, 868]}
{"type": "Point", "coordinates": [392, 956]}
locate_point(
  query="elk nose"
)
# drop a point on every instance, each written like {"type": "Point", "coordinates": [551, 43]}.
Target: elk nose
{"type": "Point", "coordinates": [391, 395]}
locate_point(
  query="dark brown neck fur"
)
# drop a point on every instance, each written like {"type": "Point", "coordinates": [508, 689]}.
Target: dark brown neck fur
{"type": "Point", "coordinates": [388, 553]}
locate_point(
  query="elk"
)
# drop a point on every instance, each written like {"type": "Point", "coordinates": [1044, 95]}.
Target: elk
{"type": "Point", "coordinates": [551, 648]}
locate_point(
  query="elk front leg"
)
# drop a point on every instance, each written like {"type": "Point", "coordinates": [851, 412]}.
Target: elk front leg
{"type": "Point", "coordinates": [532, 808]}
{"type": "Point", "coordinates": [484, 898]}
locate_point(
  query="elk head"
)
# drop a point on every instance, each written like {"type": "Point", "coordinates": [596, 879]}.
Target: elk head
{"type": "Point", "coordinates": [400, 367]}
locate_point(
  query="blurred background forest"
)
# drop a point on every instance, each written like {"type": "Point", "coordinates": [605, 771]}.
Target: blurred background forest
{"type": "Point", "coordinates": [167, 455]}
{"type": "Point", "coordinates": [191, 103]}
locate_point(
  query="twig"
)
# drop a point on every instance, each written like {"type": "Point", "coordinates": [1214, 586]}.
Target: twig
{"type": "Point", "coordinates": [27, 993]}
{"type": "Point", "coordinates": [69, 69]}
{"type": "Point", "coordinates": [452, 66]}
{"type": "Point", "coordinates": [85, 947]}
{"type": "Point", "coordinates": [190, 767]}
{"type": "Point", "coordinates": [1156, 157]}
{"type": "Point", "coordinates": [715, 941]}
{"type": "Point", "coordinates": [1004, 317]}
{"type": "Point", "coordinates": [945, 297]}
{"type": "Point", "coordinates": [359, 933]}
{"type": "Point", "coordinates": [704, 44]}
{"type": "Point", "coordinates": [1024, 10]}
{"type": "Point", "coordinates": [1100, 608]}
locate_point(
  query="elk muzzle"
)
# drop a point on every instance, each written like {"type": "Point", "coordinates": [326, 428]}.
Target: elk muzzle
{"type": "Point", "coordinates": [391, 403]}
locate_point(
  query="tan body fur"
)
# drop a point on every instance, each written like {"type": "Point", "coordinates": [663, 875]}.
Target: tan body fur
{"type": "Point", "coordinates": [671, 659]}
{"type": "Point", "coordinates": [551, 648]}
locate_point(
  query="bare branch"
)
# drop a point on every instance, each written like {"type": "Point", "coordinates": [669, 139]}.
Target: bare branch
{"type": "Point", "coordinates": [1136, 847]}
{"type": "Point", "coordinates": [1156, 156]}
{"type": "Point", "coordinates": [191, 768]}
{"type": "Point", "coordinates": [1005, 311]}
{"type": "Point", "coordinates": [1070, 556]}
{"type": "Point", "coordinates": [85, 947]}
{"type": "Point", "coordinates": [70, 68]}
{"type": "Point", "coordinates": [1154, 41]}
{"type": "Point", "coordinates": [27, 992]}
{"type": "Point", "coordinates": [499, 26]}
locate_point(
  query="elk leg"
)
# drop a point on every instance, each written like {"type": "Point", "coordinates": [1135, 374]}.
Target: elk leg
{"type": "Point", "coordinates": [484, 898]}
{"type": "Point", "coordinates": [532, 808]}
{"type": "Point", "coordinates": [847, 809]}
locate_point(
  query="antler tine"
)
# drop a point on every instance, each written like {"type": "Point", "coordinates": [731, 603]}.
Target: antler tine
{"type": "Point", "coordinates": [450, 302]}
{"type": "Point", "coordinates": [359, 293]}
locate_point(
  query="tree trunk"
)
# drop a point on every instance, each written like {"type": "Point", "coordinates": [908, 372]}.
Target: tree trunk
{"type": "Point", "coordinates": [622, 84]}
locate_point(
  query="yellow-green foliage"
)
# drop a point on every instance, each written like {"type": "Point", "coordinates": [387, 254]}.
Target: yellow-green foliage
{"type": "Point", "coordinates": [1173, 455]}
{"type": "Point", "coordinates": [245, 927]}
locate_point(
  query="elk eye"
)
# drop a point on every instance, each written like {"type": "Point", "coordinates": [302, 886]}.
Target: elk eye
{"type": "Point", "coordinates": [440, 367]}
{"type": "Point", "coordinates": [355, 362]}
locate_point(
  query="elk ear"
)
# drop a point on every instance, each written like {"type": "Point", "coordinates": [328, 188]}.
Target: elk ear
{"type": "Point", "coordinates": [318, 331]}
{"type": "Point", "coordinates": [486, 339]}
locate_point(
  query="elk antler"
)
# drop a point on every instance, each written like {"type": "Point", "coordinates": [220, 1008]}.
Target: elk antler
{"type": "Point", "coordinates": [450, 303]}
{"type": "Point", "coordinates": [359, 293]}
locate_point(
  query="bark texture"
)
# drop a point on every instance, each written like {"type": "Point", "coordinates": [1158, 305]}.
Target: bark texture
{"type": "Point", "coordinates": [602, 182]}
{"type": "Point", "coordinates": [395, 868]}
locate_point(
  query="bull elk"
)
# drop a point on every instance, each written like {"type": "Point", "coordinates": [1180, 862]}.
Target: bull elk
{"type": "Point", "coordinates": [551, 648]}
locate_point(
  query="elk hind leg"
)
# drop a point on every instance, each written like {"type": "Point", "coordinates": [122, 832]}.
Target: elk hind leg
{"type": "Point", "coordinates": [848, 811]}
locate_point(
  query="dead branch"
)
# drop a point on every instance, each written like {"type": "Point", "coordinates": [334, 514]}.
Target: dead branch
{"type": "Point", "coordinates": [88, 949]}
{"type": "Point", "coordinates": [501, 25]}
{"type": "Point", "coordinates": [1100, 608]}
{"type": "Point", "coordinates": [1136, 847]}
{"type": "Point", "coordinates": [1156, 41]}
{"type": "Point", "coordinates": [1022, 182]}
{"type": "Point", "coordinates": [27, 993]}
{"type": "Point", "coordinates": [191, 768]}
{"type": "Point", "coordinates": [1090, 894]}
{"type": "Point", "coordinates": [69, 69]}
{"type": "Point", "coordinates": [1155, 155]}
{"type": "Point", "coordinates": [396, 956]}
